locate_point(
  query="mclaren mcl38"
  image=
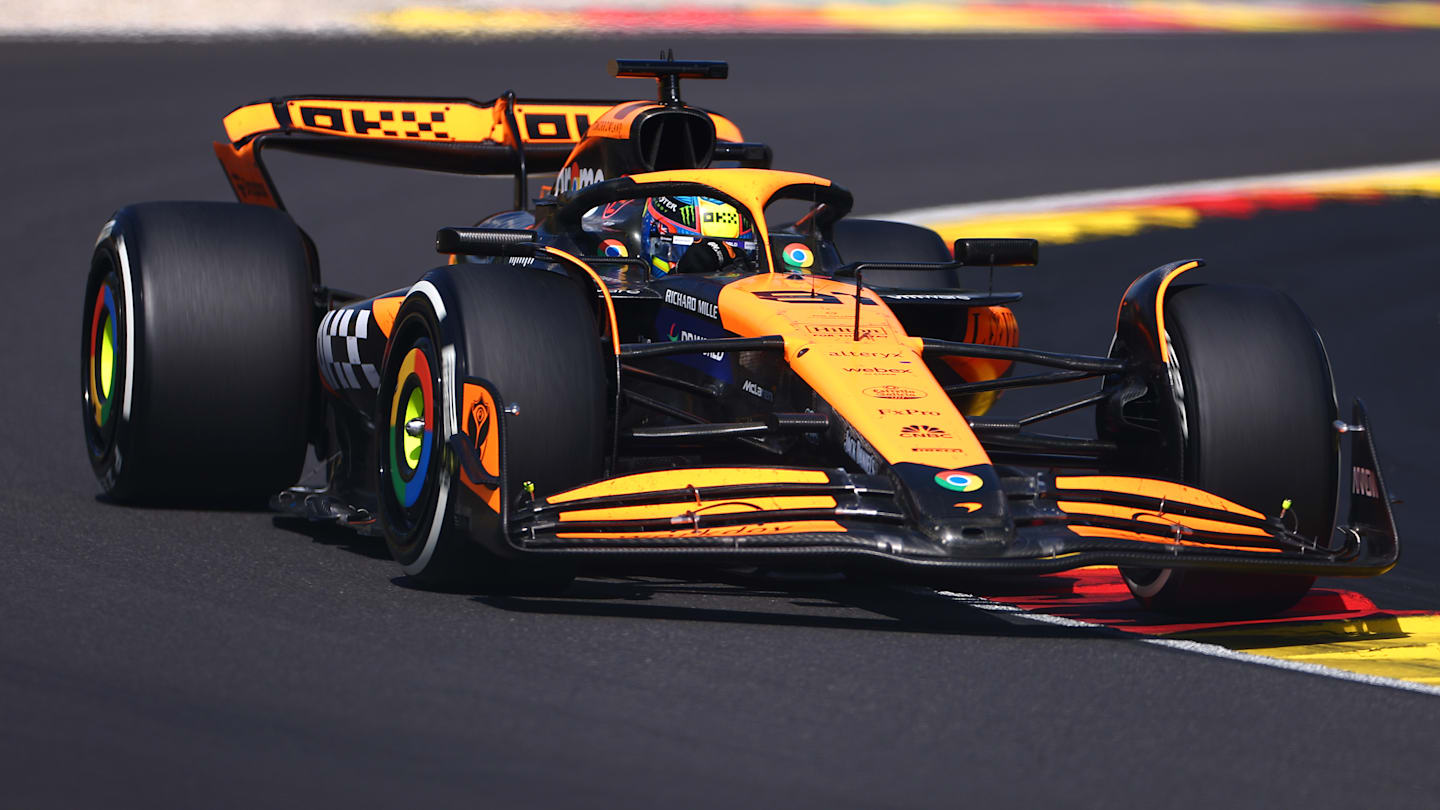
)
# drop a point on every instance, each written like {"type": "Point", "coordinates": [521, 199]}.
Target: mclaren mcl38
{"type": "Point", "coordinates": [677, 352]}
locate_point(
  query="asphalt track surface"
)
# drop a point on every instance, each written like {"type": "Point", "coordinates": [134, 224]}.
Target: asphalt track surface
{"type": "Point", "coordinates": [181, 658]}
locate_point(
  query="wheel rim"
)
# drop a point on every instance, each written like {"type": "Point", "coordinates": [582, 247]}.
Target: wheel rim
{"type": "Point", "coordinates": [103, 365]}
{"type": "Point", "coordinates": [102, 355]}
{"type": "Point", "coordinates": [412, 405]}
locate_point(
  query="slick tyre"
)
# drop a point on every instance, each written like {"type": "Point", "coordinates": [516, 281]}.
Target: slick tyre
{"type": "Point", "coordinates": [532, 336]}
{"type": "Point", "coordinates": [197, 353]}
{"type": "Point", "coordinates": [1258, 405]}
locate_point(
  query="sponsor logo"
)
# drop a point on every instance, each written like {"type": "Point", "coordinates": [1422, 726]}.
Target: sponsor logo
{"type": "Point", "coordinates": [870, 355]}
{"type": "Point", "coordinates": [678, 334]}
{"type": "Point", "coordinates": [958, 480]}
{"type": "Point", "coordinates": [571, 179]}
{"type": "Point", "coordinates": [403, 120]}
{"type": "Point", "coordinates": [753, 389]}
{"type": "Point", "coordinates": [614, 248]}
{"type": "Point", "coordinates": [523, 261]}
{"type": "Point", "coordinates": [797, 254]}
{"type": "Point", "coordinates": [929, 296]}
{"type": "Point", "coordinates": [933, 449]}
{"type": "Point", "coordinates": [859, 450]}
{"type": "Point", "coordinates": [477, 425]}
{"type": "Point", "coordinates": [968, 506]}
{"type": "Point", "coordinates": [688, 302]}
{"type": "Point", "coordinates": [835, 330]}
{"type": "Point", "coordinates": [923, 432]}
{"type": "Point", "coordinates": [877, 371]}
{"type": "Point", "coordinates": [893, 392]}
{"type": "Point", "coordinates": [1363, 482]}
{"type": "Point", "coordinates": [907, 412]}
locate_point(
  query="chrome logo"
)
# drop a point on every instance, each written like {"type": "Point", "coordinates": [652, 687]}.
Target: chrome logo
{"type": "Point", "coordinates": [614, 248]}
{"type": "Point", "coordinates": [798, 255]}
{"type": "Point", "coordinates": [958, 480]}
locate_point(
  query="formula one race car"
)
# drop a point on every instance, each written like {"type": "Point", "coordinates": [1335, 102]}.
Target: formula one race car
{"type": "Point", "coordinates": [678, 353]}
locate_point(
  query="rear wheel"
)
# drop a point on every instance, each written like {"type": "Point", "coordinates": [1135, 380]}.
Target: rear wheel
{"type": "Point", "coordinates": [197, 355]}
{"type": "Point", "coordinates": [878, 240]}
{"type": "Point", "coordinates": [532, 336]}
{"type": "Point", "coordinates": [1258, 407]}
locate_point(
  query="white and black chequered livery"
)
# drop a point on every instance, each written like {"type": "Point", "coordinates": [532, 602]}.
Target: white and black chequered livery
{"type": "Point", "coordinates": [338, 346]}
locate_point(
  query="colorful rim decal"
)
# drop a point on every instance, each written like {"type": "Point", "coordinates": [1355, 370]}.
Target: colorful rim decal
{"type": "Point", "coordinates": [102, 355]}
{"type": "Point", "coordinates": [615, 248]}
{"type": "Point", "coordinates": [410, 455]}
{"type": "Point", "coordinates": [797, 254]}
{"type": "Point", "coordinates": [959, 480]}
{"type": "Point", "coordinates": [414, 409]}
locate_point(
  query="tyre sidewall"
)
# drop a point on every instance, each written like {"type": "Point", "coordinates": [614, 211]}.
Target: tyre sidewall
{"type": "Point", "coordinates": [107, 445]}
{"type": "Point", "coordinates": [414, 537]}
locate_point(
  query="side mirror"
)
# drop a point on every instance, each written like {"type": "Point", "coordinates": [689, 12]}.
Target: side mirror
{"type": "Point", "coordinates": [997, 252]}
{"type": "Point", "coordinates": [485, 241]}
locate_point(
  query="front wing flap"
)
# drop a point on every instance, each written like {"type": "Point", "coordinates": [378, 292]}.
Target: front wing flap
{"type": "Point", "coordinates": [1054, 522]}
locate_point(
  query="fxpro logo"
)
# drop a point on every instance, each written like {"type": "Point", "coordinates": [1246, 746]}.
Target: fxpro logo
{"type": "Point", "coordinates": [907, 412]}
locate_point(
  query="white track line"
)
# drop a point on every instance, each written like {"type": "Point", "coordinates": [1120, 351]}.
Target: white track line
{"type": "Point", "coordinates": [1123, 196]}
{"type": "Point", "coordinates": [1015, 615]}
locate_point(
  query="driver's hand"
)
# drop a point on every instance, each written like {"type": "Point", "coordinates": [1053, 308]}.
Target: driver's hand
{"type": "Point", "coordinates": [709, 256]}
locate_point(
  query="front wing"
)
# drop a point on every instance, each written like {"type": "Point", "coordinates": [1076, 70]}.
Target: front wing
{"type": "Point", "coordinates": [1050, 522]}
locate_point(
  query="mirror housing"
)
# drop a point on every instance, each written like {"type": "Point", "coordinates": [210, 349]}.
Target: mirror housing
{"type": "Point", "coordinates": [997, 252]}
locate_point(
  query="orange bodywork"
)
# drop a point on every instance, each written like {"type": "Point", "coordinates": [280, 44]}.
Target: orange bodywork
{"type": "Point", "coordinates": [1152, 488]}
{"type": "Point", "coordinates": [661, 480]}
{"type": "Point", "coordinates": [385, 310]}
{"type": "Point", "coordinates": [246, 178]}
{"type": "Point", "coordinates": [1167, 492]}
{"type": "Point", "coordinates": [478, 422]}
{"type": "Point", "coordinates": [419, 121]}
{"type": "Point", "coordinates": [878, 384]}
{"type": "Point", "coordinates": [689, 503]}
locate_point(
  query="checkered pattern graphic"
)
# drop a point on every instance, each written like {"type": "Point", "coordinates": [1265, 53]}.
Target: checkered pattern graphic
{"type": "Point", "coordinates": [337, 345]}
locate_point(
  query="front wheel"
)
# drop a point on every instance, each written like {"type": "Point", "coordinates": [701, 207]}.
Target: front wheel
{"type": "Point", "coordinates": [531, 337]}
{"type": "Point", "coordinates": [1256, 404]}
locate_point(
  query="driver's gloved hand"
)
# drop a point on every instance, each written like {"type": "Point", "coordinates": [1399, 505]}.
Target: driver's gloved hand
{"type": "Point", "coordinates": [710, 256]}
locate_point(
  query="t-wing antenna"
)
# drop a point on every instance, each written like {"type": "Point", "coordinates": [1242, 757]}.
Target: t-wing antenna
{"type": "Point", "coordinates": [667, 73]}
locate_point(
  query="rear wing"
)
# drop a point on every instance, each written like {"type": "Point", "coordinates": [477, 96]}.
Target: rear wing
{"type": "Point", "coordinates": [498, 137]}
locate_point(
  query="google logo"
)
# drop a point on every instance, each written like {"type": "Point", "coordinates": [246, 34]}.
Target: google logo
{"type": "Point", "coordinates": [959, 480]}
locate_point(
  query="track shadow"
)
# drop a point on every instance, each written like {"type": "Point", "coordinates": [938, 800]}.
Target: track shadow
{"type": "Point", "coordinates": [766, 600]}
{"type": "Point", "coordinates": [335, 536]}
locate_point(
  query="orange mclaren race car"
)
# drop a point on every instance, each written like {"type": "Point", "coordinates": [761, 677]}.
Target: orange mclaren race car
{"type": "Point", "coordinates": [679, 353]}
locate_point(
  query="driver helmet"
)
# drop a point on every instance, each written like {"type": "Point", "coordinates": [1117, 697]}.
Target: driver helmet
{"type": "Point", "coordinates": [671, 225]}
